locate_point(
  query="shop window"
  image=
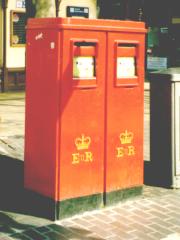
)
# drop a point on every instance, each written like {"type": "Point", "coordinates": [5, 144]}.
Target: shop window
{"type": "Point", "coordinates": [18, 34]}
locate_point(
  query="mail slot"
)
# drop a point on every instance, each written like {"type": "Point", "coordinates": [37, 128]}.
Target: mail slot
{"type": "Point", "coordinates": [126, 63]}
{"type": "Point", "coordinates": [84, 111]}
{"type": "Point", "coordinates": [84, 58]}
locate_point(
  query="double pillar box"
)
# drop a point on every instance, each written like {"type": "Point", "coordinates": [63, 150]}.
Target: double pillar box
{"type": "Point", "coordinates": [84, 111]}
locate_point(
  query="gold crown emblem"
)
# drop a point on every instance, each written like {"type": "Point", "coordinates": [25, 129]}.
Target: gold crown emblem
{"type": "Point", "coordinates": [126, 137]}
{"type": "Point", "coordinates": [83, 142]}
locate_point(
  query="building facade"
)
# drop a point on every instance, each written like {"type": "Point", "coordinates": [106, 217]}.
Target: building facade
{"type": "Point", "coordinates": [13, 38]}
{"type": "Point", "coordinates": [162, 19]}
{"type": "Point", "coordinates": [12, 47]}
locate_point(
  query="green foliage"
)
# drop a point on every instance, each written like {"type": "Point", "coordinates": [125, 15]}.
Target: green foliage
{"type": "Point", "coordinates": [41, 8]}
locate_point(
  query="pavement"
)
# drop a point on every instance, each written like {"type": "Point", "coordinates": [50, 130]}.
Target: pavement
{"type": "Point", "coordinates": [12, 114]}
{"type": "Point", "coordinates": [154, 215]}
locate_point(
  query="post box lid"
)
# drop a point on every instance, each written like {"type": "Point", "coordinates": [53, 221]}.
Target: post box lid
{"type": "Point", "coordinates": [86, 24]}
{"type": "Point", "coordinates": [170, 74]}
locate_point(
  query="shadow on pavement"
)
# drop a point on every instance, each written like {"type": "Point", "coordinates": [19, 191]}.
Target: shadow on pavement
{"type": "Point", "coordinates": [9, 226]}
{"type": "Point", "coordinates": [11, 183]}
{"type": "Point", "coordinates": [14, 197]}
{"type": "Point", "coordinates": [53, 231]}
{"type": "Point", "coordinates": [20, 209]}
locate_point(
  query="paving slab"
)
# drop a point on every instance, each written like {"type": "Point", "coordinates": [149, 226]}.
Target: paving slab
{"type": "Point", "coordinates": [12, 115]}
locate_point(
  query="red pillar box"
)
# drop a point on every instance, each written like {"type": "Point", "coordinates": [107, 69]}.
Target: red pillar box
{"type": "Point", "coordinates": [124, 156]}
{"type": "Point", "coordinates": [64, 140]}
{"type": "Point", "coordinates": [84, 111]}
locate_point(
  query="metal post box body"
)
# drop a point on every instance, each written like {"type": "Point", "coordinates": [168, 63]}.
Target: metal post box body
{"type": "Point", "coordinates": [76, 110]}
{"type": "Point", "coordinates": [125, 100]}
{"type": "Point", "coordinates": [165, 139]}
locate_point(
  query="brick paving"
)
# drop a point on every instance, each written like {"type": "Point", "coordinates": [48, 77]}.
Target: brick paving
{"type": "Point", "coordinates": [155, 215]}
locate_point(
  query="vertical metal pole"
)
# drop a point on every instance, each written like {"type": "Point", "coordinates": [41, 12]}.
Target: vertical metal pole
{"type": "Point", "coordinates": [57, 2]}
{"type": "Point", "coordinates": [4, 74]}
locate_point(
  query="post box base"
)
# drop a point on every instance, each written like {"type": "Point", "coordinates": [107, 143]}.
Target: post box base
{"type": "Point", "coordinates": [45, 207]}
{"type": "Point", "coordinates": [122, 194]}
{"type": "Point", "coordinates": [74, 206]}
